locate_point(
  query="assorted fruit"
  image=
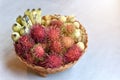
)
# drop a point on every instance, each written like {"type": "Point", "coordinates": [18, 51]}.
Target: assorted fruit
{"type": "Point", "coordinates": [48, 41]}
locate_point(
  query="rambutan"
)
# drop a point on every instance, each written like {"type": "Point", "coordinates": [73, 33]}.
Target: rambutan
{"type": "Point", "coordinates": [24, 44]}
{"type": "Point", "coordinates": [53, 33]}
{"type": "Point", "coordinates": [72, 54]}
{"type": "Point", "coordinates": [56, 46]}
{"type": "Point", "coordinates": [67, 41]}
{"type": "Point", "coordinates": [53, 61]}
{"type": "Point", "coordinates": [70, 28]}
{"type": "Point", "coordinates": [28, 57]}
{"type": "Point", "coordinates": [38, 33]}
{"type": "Point", "coordinates": [37, 51]}
{"type": "Point", "coordinates": [56, 23]}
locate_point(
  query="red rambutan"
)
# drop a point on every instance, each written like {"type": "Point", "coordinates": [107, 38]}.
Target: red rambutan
{"type": "Point", "coordinates": [28, 57]}
{"type": "Point", "coordinates": [56, 46]}
{"type": "Point", "coordinates": [72, 54]}
{"type": "Point", "coordinates": [38, 33]}
{"type": "Point", "coordinates": [37, 51]}
{"type": "Point", "coordinates": [56, 23]}
{"type": "Point", "coordinates": [67, 41]}
{"type": "Point", "coordinates": [53, 61]}
{"type": "Point", "coordinates": [24, 44]}
{"type": "Point", "coordinates": [53, 33]}
{"type": "Point", "coordinates": [70, 28]}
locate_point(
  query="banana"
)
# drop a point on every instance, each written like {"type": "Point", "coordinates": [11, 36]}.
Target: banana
{"type": "Point", "coordinates": [27, 12]}
{"type": "Point", "coordinates": [35, 16]}
{"type": "Point", "coordinates": [39, 12]}
{"type": "Point", "coordinates": [15, 36]}
{"type": "Point", "coordinates": [26, 21]}
{"type": "Point", "coordinates": [16, 27]}
{"type": "Point", "coordinates": [18, 19]}
{"type": "Point", "coordinates": [24, 30]}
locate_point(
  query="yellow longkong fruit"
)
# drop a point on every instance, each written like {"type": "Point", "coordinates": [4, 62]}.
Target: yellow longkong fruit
{"type": "Point", "coordinates": [77, 33]}
{"type": "Point", "coordinates": [76, 24]}
{"type": "Point", "coordinates": [81, 45]}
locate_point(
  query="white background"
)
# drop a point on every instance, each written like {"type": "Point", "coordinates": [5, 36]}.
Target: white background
{"type": "Point", "coordinates": [101, 18]}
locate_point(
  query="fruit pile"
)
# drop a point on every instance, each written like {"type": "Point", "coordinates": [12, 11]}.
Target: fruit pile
{"type": "Point", "coordinates": [47, 41]}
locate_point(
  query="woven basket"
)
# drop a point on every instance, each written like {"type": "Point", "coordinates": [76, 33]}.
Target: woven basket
{"type": "Point", "coordinates": [43, 71]}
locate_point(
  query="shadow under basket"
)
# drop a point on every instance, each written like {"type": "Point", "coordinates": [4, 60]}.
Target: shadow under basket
{"type": "Point", "coordinates": [44, 72]}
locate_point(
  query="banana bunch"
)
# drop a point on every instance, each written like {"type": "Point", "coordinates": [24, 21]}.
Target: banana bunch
{"type": "Point", "coordinates": [23, 23]}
